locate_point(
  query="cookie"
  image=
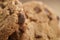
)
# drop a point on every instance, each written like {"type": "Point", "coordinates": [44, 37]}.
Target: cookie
{"type": "Point", "coordinates": [11, 18]}
{"type": "Point", "coordinates": [54, 23]}
{"type": "Point", "coordinates": [28, 21]}
{"type": "Point", "coordinates": [43, 21]}
{"type": "Point", "coordinates": [38, 31]}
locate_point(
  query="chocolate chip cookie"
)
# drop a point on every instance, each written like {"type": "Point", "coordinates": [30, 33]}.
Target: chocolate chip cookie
{"type": "Point", "coordinates": [43, 24]}
{"type": "Point", "coordinates": [28, 21]}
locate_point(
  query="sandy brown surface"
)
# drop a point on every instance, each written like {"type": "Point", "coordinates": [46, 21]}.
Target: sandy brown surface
{"type": "Point", "coordinates": [37, 23]}
{"type": "Point", "coordinates": [54, 4]}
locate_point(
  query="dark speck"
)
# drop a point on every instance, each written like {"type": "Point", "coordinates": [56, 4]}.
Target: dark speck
{"type": "Point", "coordinates": [16, 3]}
{"type": "Point", "coordinates": [1, 5]}
{"type": "Point", "coordinates": [37, 10]}
{"type": "Point", "coordinates": [58, 18]}
{"type": "Point", "coordinates": [2, 0]}
{"type": "Point", "coordinates": [21, 19]}
{"type": "Point", "coordinates": [21, 30]}
{"type": "Point", "coordinates": [48, 37]}
{"type": "Point", "coordinates": [50, 18]}
{"type": "Point", "coordinates": [10, 11]}
{"type": "Point", "coordinates": [38, 36]}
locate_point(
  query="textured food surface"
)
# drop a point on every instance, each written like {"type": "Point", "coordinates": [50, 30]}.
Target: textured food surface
{"type": "Point", "coordinates": [41, 20]}
{"type": "Point", "coordinates": [28, 21]}
{"type": "Point", "coordinates": [11, 16]}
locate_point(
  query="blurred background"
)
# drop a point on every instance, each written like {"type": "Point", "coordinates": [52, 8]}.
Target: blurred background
{"type": "Point", "coordinates": [53, 4]}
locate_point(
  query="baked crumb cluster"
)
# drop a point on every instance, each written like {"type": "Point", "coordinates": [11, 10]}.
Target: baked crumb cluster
{"type": "Point", "coordinates": [28, 21]}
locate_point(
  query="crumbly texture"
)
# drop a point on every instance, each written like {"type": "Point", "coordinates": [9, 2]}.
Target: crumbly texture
{"type": "Point", "coordinates": [28, 21]}
{"type": "Point", "coordinates": [42, 24]}
{"type": "Point", "coordinates": [11, 16]}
